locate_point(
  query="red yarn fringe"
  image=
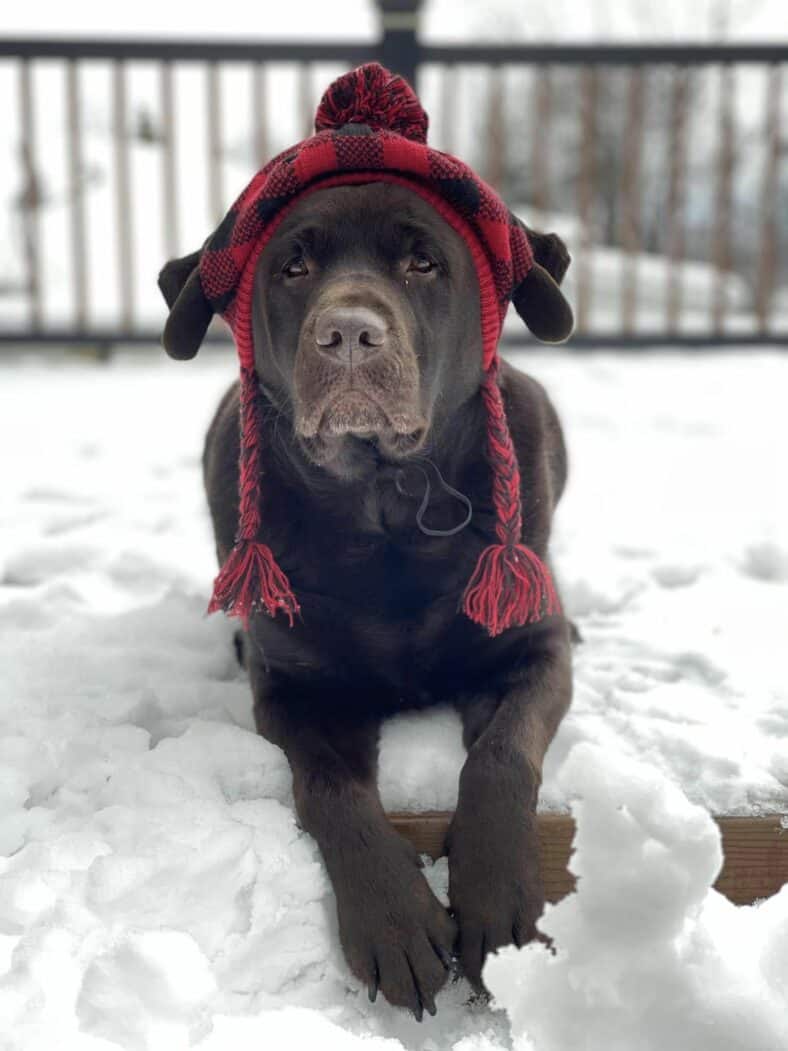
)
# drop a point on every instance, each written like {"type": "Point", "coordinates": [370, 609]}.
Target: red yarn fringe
{"type": "Point", "coordinates": [510, 587]}
{"type": "Point", "coordinates": [251, 580]}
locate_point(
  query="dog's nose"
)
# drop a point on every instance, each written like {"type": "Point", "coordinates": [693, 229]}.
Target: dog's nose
{"type": "Point", "coordinates": [350, 334]}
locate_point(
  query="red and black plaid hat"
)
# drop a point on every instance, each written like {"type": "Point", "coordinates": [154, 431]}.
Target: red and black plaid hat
{"type": "Point", "coordinates": [370, 127]}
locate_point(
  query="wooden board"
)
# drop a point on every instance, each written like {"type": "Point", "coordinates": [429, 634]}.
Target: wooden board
{"type": "Point", "coordinates": [755, 850]}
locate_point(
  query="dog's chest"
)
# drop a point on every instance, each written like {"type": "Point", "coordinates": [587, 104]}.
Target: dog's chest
{"type": "Point", "coordinates": [394, 662]}
{"type": "Point", "coordinates": [380, 599]}
{"type": "Point", "coordinates": [379, 612]}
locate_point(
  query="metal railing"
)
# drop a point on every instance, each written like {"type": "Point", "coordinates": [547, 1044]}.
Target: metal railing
{"type": "Point", "coordinates": [639, 156]}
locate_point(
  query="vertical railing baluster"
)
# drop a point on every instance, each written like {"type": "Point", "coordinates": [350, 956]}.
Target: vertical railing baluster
{"type": "Point", "coordinates": [448, 107]}
{"type": "Point", "coordinates": [767, 255]}
{"type": "Point", "coordinates": [630, 209]}
{"type": "Point", "coordinates": [123, 201]}
{"type": "Point", "coordinates": [306, 111]}
{"type": "Point", "coordinates": [259, 116]}
{"type": "Point", "coordinates": [76, 193]}
{"type": "Point", "coordinates": [589, 87]}
{"type": "Point", "coordinates": [496, 134]}
{"type": "Point", "coordinates": [30, 197]}
{"type": "Point", "coordinates": [214, 104]}
{"type": "Point", "coordinates": [722, 201]}
{"type": "Point", "coordinates": [170, 226]}
{"type": "Point", "coordinates": [540, 158]}
{"type": "Point", "coordinates": [677, 178]}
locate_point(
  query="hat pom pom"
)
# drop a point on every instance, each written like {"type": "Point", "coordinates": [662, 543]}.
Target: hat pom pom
{"type": "Point", "coordinates": [372, 95]}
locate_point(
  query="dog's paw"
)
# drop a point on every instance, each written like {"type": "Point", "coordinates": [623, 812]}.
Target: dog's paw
{"type": "Point", "coordinates": [495, 889]}
{"type": "Point", "coordinates": [396, 935]}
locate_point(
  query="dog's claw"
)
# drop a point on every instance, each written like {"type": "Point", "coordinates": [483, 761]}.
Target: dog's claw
{"type": "Point", "coordinates": [373, 988]}
{"type": "Point", "coordinates": [418, 1010]}
{"type": "Point", "coordinates": [428, 1002]}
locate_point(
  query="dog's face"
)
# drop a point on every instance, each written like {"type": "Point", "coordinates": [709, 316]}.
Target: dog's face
{"type": "Point", "coordinates": [366, 323]}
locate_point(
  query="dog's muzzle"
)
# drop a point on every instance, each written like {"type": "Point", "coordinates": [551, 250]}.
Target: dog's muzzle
{"type": "Point", "coordinates": [356, 370]}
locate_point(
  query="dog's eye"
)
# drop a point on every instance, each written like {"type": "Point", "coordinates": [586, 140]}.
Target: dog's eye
{"type": "Point", "coordinates": [296, 267]}
{"type": "Point", "coordinates": [422, 264]}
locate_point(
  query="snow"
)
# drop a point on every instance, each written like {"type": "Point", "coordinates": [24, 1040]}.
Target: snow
{"type": "Point", "coordinates": [155, 890]}
{"type": "Point", "coordinates": [571, 20]}
{"type": "Point", "coordinates": [648, 956]}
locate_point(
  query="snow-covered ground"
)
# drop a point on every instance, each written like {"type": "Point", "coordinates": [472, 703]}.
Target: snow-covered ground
{"type": "Point", "coordinates": [155, 891]}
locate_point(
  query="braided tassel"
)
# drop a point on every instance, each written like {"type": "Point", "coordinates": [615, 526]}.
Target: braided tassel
{"type": "Point", "coordinates": [250, 578]}
{"type": "Point", "coordinates": [510, 586]}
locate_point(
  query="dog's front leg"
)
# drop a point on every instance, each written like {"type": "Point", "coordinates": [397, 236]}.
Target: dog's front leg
{"type": "Point", "coordinates": [495, 883]}
{"type": "Point", "coordinates": [395, 934]}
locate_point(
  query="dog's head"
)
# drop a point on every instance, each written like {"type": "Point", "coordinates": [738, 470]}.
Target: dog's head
{"type": "Point", "coordinates": [366, 320]}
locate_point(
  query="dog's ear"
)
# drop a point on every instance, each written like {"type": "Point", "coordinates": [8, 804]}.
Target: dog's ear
{"type": "Point", "coordinates": [190, 311]}
{"type": "Point", "coordinates": [538, 299]}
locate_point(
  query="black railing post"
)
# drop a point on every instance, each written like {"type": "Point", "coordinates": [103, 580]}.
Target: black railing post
{"type": "Point", "coordinates": [399, 40]}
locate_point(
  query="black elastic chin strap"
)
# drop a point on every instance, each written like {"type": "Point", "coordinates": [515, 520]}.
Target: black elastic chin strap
{"type": "Point", "coordinates": [426, 498]}
{"type": "Point", "coordinates": [416, 461]}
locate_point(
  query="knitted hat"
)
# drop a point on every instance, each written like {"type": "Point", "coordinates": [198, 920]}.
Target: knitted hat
{"type": "Point", "coordinates": [370, 127]}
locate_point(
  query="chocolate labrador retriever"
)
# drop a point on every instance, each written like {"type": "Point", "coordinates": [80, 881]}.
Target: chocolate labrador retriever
{"type": "Point", "coordinates": [374, 479]}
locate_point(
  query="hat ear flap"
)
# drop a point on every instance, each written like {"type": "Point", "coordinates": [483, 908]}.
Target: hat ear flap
{"type": "Point", "coordinates": [542, 306]}
{"type": "Point", "coordinates": [538, 299]}
{"type": "Point", "coordinates": [190, 311]}
{"type": "Point", "coordinates": [550, 252]}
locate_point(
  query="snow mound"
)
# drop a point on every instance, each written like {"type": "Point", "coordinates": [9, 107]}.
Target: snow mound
{"type": "Point", "coordinates": [646, 955]}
